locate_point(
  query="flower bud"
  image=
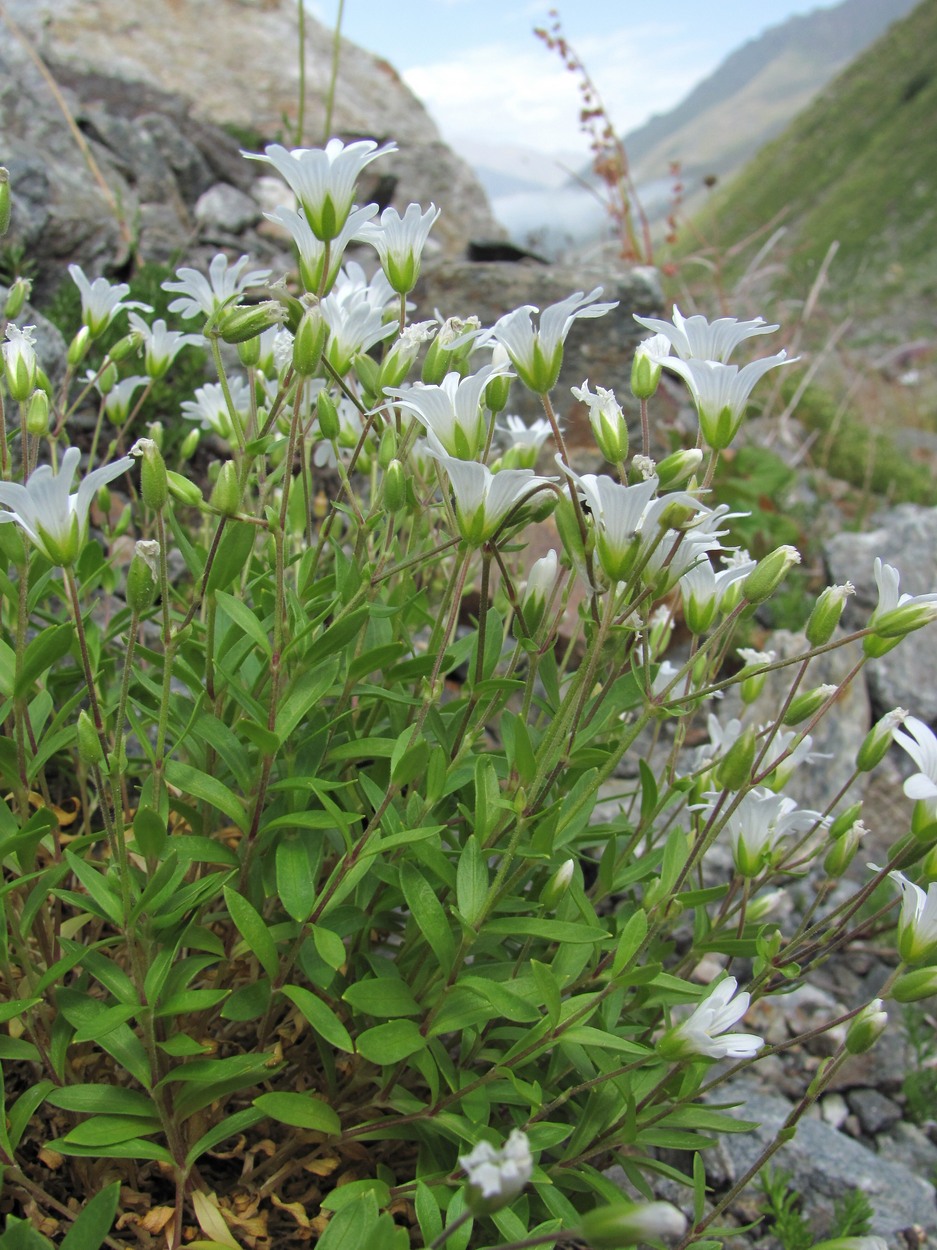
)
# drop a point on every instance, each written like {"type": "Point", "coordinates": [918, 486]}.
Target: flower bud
{"type": "Point", "coordinates": [249, 352]}
{"type": "Point", "coordinates": [122, 524]}
{"type": "Point", "coordinates": [90, 750]}
{"type": "Point", "coordinates": [557, 886]}
{"type": "Point", "coordinates": [154, 486]}
{"type": "Point", "coordinates": [762, 906]}
{"type": "Point", "coordinates": [877, 741]}
{"type": "Point", "coordinates": [184, 490]}
{"type": "Point", "coordinates": [845, 821]}
{"type": "Point", "coordinates": [866, 1028]}
{"type": "Point", "coordinates": [842, 852]}
{"type": "Point", "coordinates": [37, 414]}
{"type": "Point", "coordinates": [78, 347]}
{"type": "Point", "coordinates": [20, 366]}
{"type": "Point", "coordinates": [826, 613]}
{"type": "Point", "coordinates": [387, 448]}
{"type": "Point", "coordinates": [911, 987]}
{"type": "Point", "coordinates": [625, 1224]}
{"type": "Point", "coordinates": [498, 390]}
{"type": "Point", "coordinates": [143, 576]}
{"type": "Point", "coordinates": [807, 703]}
{"type": "Point", "coordinates": [646, 367]}
{"type": "Point", "coordinates": [226, 496]}
{"type": "Point", "coordinates": [107, 379]}
{"type": "Point", "coordinates": [5, 200]}
{"type": "Point", "coordinates": [752, 681]}
{"type": "Point", "coordinates": [735, 768]}
{"type": "Point", "coordinates": [539, 590]}
{"type": "Point", "coordinates": [156, 432]}
{"type": "Point", "coordinates": [17, 296]}
{"type": "Point", "coordinates": [123, 347]}
{"type": "Point", "coordinates": [189, 443]}
{"type": "Point", "coordinates": [395, 486]}
{"type": "Point", "coordinates": [767, 575]}
{"type": "Point", "coordinates": [327, 413]}
{"type": "Point", "coordinates": [678, 466]}
{"type": "Point", "coordinates": [241, 322]}
{"type": "Point", "coordinates": [311, 335]}
{"type": "Point", "coordinates": [368, 372]}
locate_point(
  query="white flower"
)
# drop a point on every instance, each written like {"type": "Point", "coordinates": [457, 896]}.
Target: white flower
{"type": "Point", "coordinates": [921, 745]}
{"type": "Point", "coordinates": [19, 361]}
{"type": "Point", "coordinates": [54, 519]}
{"type": "Point", "coordinates": [119, 398]}
{"type": "Point", "coordinates": [539, 590]}
{"type": "Point", "coordinates": [484, 499]}
{"type": "Point", "coordinates": [538, 354]}
{"type": "Point", "coordinates": [201, 296]}
{"type": "Point", "coordinates": [161, 345]}
{"type": "Point", "coordinates": [496, 1177]}
{"type": "Point", "coordinates": [917, 923]}
{"type": "Point", "coordinates": [354, 313]}
{"type": "Point", "coordinates": [452, 411]}
{"type": "Point", "coordinates": [101, 302]}
{"type": "Point", "coordinates": [895, 615]}
{"type": "Point", "coordinates": [703, 590]}
{"type": "Point", "coordinates": [721, 392]}
{"type": "Point", "coordinates": [399, 241]}
{"type": "Point", "coordinates": [313, 252]}
{"type": "Point", "coordinates": [704, 1031]}
{"type": "Point", "coordinates": [607, 421]}
{"type": "Point", "coordinates": [760, 823]}
{"type": "Point", "coordinates": [696, 338]}
{"type": "Point", "coordinates": [210, 408]}
{"type": "Point", "coordinates": [323, 179]}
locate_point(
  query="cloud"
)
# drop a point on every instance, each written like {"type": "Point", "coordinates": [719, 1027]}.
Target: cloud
{"type": "Point", "coordinates": [526, 96]}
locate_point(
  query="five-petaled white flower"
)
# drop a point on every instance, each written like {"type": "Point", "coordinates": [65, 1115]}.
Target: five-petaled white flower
{"type": "Point", "coordinates": [319, 264]}
{"type": "Point", "coordinates": [695, 338]}
{"type": "Point", "coordinates": [201, 296]}
{"type": "Point", "coordinates": [323, 179]}
{"type": "Point", "coordinates": [760, 823]}
{"type": "Point", "coordinates": [20, 363]}
{"type": "Point", "coordinates": [704, 1031]}
{"type": "Point", "coordinates": [895, 615]}
{"type": "Point", "coordinates": [921, 745]}
{"type": "Point", "coordinates": [452, 411]}
{"type": "Point", "coordinates": [55, 520]}
{"type": "Point", "coordinates": [101, 302]}
{"type": "Point", "coordinates": [161, 346]}
{"type": "Point", "coordinates": [484, 499]}
{"type": "Point", "coordinates": [537, 354]}
{"type": "Point", "coordinates": [721, 392]}
{"type": "Point", "coordinates": [210, 407]}
{"type": "Point", "coordinates": [917, 921]}
{"type": "Point", "coordinates": [495, 1177]}
{"type": "Point", "coordinates": [399, 242]}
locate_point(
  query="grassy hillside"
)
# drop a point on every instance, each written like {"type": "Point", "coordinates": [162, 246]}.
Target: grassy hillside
{"type": "Point", "coordinates": [859, 166]}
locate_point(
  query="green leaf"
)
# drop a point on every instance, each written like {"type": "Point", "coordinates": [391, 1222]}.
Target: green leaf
{"type": "Point", "coordinates": [304, 694]}
{"type": "Point", "coordinates": [320, 1016]}
{"type": "Point", "coordinates": [329, 945]}
{"type": "Point", "coordinates": [44, 650]}
{"type": "Point", "coordinates": [192, 781]}
{"type": "Point", "coordinates": [382, 996]}
{"type": "Point", "coordinates": [255, 933]}
{"type": "Point", "coordinates": [98, 887]}
{"type": "Point", "coordinates": [390, 1042]}
{"type": "Point", "coordinates": [232, 555]}
{"type": "Point", "coordinates": [101, 1100]}
{"type": "Point", "coordinates": [549, 989]}
{"type": "Point", "coordinates": [136, 1148]}
{"type": "Point", "coordinates": [300, 1111]}
{"type": "Point", "coordinates": [345, 1194]}
{"type": "Point", "coordinates": [297, 861]}
{"type": "Point", "coordinates": [209, 1071]}
{"type": "Point", "coordinates": [230, 1125]}
{"type": "Point", "coordinates": [633, 934]}
{"type": "Point", "coordinates": [428, 913]}
{"type": "Point", "coordinates": [108, 1130]}
{"type": "Point", "coordinates": [472, 880]}
{"type": "Point", "coordinates": [240, 614]}
{"type": "Point", "coordinates": [487, 798]}
{"type": "Point", "coordinates": [20, 1235]}
{"type": "Point", "coordinates": [552, 930]}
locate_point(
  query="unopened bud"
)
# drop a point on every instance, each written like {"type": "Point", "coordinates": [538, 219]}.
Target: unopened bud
{"type": "Point", "coordinates": [78, 347]}
{"type": "Point", "coordinates": [877, 741]}
{"type": "Point", "coordinates": [184, 490]}
{"type": "Point", "coordinates": [17, 296]}
{"type": "Point", "coordinates": [557, 886]}
{"type": "Point", "coordinates": [123, 347]}
{"type": "Point", "coordinates": [845, 821]}
{"type": "Point", "coordinates": [735, 768]}
{"type": "Point", "coordinates": [189, 443]}
{"type": "Point", "coordinates": [329, 425]}
{"type": "Point", "coordinates": [368, 372]}
{"type": "Point", "coordinates": [154, 486]}
{"type": "Point", "coordinates": [5, 200]}
{"type": "Point", "coordinates": [143, 576]}
{"type": "Point", "coordinates": [498, 390]}
{"type": "Point", "coordinates": [395, 486]}
{"type": "Point", "coordinates": [387, 448]}
{"type": "Point", "coordinates": [310, 338]}
{"type": "Point", "coordinates": [107, 379]}
{"type": "Point", "coordinates": [807, 704]}
{"type": "Point", "coordinates": [90, 750]}
{"type": "Point", "coordinates": [625, 1224]}
{"type": "Point", "coordinates": [242, 322]}
{"type": "Point", "coordinates": [826, 613]}
{"type": "Point", "coordinates": [866, 1028]}
{"type": "Point", "coordinates": [678, 466]}
{"type": "Point", "coordinates": [645, 369]}
{"type": "Point", "coordinates": [37, 414]}
{"type": "Point", "coordinates": [226, 496]}
{"type": "Point", "coordinates": [911, 987]}
{"type": "Point", "coordinates": [767, 575]}
{"type": "Point", "coordinates": [842, 852]}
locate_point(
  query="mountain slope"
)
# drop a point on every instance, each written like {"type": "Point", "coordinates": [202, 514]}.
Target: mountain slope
{"type": "Point", "coordinates": [858, 166]}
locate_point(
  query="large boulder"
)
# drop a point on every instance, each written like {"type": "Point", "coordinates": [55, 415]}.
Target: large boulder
{"type": "Point", "coordinates": [160, 98]}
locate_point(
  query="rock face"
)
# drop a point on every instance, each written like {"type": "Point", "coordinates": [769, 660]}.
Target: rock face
{"type": "Point", "coordinates": [150, 89]}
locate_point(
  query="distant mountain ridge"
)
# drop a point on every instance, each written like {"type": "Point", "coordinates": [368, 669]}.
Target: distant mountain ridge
{"type": "Point", "coordinates": [756, 92]}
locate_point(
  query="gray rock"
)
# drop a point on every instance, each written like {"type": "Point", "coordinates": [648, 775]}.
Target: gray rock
{"type": "Point", "coordinates": [876, 1113]}
{"type": "Point", "coordinates": [906, 537]}
{"type": "Point", "coordinates": [825, 1164]}
{"type": "Point", "coordinates": [223, 207]}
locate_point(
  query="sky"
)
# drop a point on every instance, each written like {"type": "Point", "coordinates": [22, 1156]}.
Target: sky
{"type": "Point", "coordinates": [485, 78]}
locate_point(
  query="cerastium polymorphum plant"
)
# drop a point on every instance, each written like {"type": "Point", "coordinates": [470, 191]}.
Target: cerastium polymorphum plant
{"type": "Point", "coordinates": [309, 908]}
